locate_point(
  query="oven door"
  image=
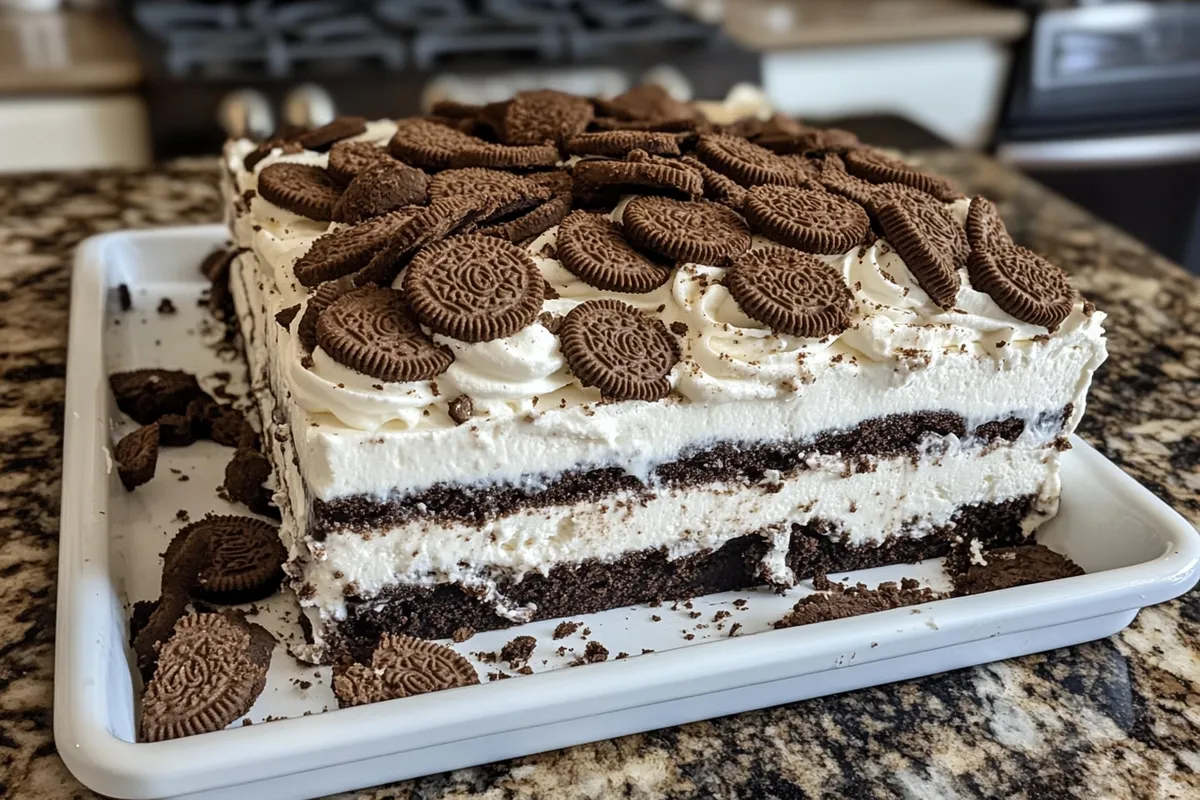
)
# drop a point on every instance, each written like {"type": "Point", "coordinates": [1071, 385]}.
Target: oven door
{"type": "Point", "coordinates": [1147, 184]}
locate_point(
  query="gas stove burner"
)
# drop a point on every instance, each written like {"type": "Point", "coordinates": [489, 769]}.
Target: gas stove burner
{"type": "Point", "coordinates": [282, 39]}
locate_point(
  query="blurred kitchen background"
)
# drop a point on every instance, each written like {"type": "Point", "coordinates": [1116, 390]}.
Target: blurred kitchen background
{"type": "Point", "coordinates": [1098, 99]}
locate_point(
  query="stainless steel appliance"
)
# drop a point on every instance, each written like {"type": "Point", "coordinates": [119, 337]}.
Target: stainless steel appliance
{"type": "Point", "coordinates": [1105, 108]}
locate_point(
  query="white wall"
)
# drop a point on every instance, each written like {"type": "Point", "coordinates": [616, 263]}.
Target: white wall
{"type": "Point", "coordinates": [951, 87]}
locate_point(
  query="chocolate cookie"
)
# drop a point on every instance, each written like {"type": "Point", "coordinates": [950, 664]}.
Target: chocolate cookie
{"type": "Point", "coordinates": [428, 145]}
{"type": "Point", "coordinates": [371, 330]}
{"type": "Point", "coordinates": [621, 143]}
{"type": "Point", "coordinates": [876, 167]}
{"type": "Point", "coordinates": [402, 666]}
{"type": "Point", "coordinates": [718, 187]}
{"type": "Point", "coordinates": [300, 188]}
{"type": "Point", "coordinates": [594, 248]}
{"type": "Point", "coordinates": [444, 217]}
{"type": "Point", "coordinates": [1022, 283]}
{"type": "Point", "coordinates": [347, 159]}
{"type": "Point", "coordinates": [649, 101]}
{"type": "Point", "coordinates": [544, 115]}
{"type": "Point", "coordinates": [380, 188]}
{"type": "Point", "coordinates": [245, 475]}
{"type": "Point", "coordinates": [702, 232]}
{"type": "Point", "coordinates": [792, 292]}
{"type": "Point", "coordinates": [501, 156]}
{"type": "Point", "coordinates": [474, 288]}
{"type": "Point", "coordinates": [319, 300]}
{"type": "Point", "coordinates": [346, 250]}
{"type": "Point", "coordinates": [805, 140]}
{"type": "Point", "coordinates": [175, 430]}
{"type": "Point", "coordinates": [532, 223]}
{"type": "Point", "coordinates": [985, 228]}
{"type": "Point", "coordinates": [812, 220]}
{"type": "Point", "coordinates": [477, 181]}
{"type": "Point", "coordinates": [619, 350]}
{"type": "Point", "coordinates": [606, 181]}
{"type": "Point", "coordinates": [264, 149]}
{"type": "Point", "coordinates": [321, 138]}
{"type": "Point", "coordinates": [751, 165]}
{"type": "Point", "coordinates": [137, 456]}
{"type": "Point", "coordinates": [147, 394]}
{"type": "Point", "coordinates": [931, 244]}
{"type": "Point", "coordinates": [240, 558]}
{"type": "Point", "coordinates": [210, 672]}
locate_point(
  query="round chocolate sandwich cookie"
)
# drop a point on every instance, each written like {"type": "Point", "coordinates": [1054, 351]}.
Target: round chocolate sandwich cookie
{"type": "Point", "coordinates": [532, 223]}
{"type": "Point", "coordinates": [347, 159]}
{"type": "Point", "coordinates": [263, 149]}
{"type": "Point", "coordinates": [792, 292]}
{"type": "Point", "coordinates": [319, 300]}
{"type": "Point", "coordinates": [641, 174]}
{"type": "Point", "coordinates": [147, 394]}
{"type": "Point", "coordinates": [209, 674]}
{"type": "Point", "coordinates": [647, 101]}
{"type": "Point", "coordinates": [428, 145]}
{"type": "Point", "coordinates": [478, 181]}
{"type": "Point", "coordinates": [300, 188]}
{"type": "Point", "coordinates": [453, 109]}
{"type": "Point", "coordinates": [345, 250]}
{"type": "Point", "coordinates": [242, 558]}
{"type": "Point", "coordinates": [876, 167]}
{"type": "Point", "coordinates": [749, 164]}
{"type": "Point", "coordinates": [444, 217]}
{"type": "Point", "coordinates": [593, 248]}
{"type": "Point", "coordinates": [812, 220]}
{"type": "Point", "coordinates": [502, 156]}
{"type": "Point", "coordinates": [474, 288]}
{"type": "Point", "coordinates": [544, 116]}
{"type": "Point", "coordinates": [718, 187]}
{"type": "Point", "coordinates": [137, 456]}
{"type": "Point", "coordinates": [1022, 283]}
{"type": "Point", "coordinates": [372, 331]}
{"type": "Point", "coordinates": [380, 188]}
{"type": "Point", "coordinates": [621, 143]}
{"type": "Point", "coordinates": [402, 666]}
{"type": "Point", "coordinates": [321, 138]}
{"type": "Point", "coordinates": [231, 428]}
{"type": "Point", "coordinates": [701, 232]}
{"type": "Point", "coordinates": [805, 140]}
{"type": "Point", "coordinates": [985, 228]}
{"type": "Point", "coordinates": [619, 350]}
{"type": "Point", "coordinates": [931, 244]}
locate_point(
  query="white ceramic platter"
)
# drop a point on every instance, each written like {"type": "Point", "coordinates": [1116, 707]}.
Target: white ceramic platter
{"type": "Point", "coordinates": [1135, 549]}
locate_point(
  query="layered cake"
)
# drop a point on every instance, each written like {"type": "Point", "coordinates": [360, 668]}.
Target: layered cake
{"type": "Point", "coordinates": [556, 355]}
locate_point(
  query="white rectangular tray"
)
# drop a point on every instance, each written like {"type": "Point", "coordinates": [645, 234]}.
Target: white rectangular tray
{"type": "Point", "coordinates": [1136, 550]}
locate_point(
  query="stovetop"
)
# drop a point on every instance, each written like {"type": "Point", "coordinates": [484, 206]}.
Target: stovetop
{"type": "Point", "coordinates": [193, 38]}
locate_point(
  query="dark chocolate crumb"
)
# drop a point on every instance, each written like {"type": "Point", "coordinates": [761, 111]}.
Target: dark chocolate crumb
{"type": "Point", "coordinates": [462, 634]}
{"type": "Point", "coordinates": [734, 628]}
{"type": "Point", "coordinates": [518, 651]}
{"type": "Point", "coordinates": [124, 298]}
{"type": "Point", "coordinates": [565, 629]}
{"type": "Point", "coordinates": [166, 306]}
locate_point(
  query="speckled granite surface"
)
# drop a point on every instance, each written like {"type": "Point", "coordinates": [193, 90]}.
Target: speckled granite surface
{"type": "Point", "coordinates": [1115, 718]}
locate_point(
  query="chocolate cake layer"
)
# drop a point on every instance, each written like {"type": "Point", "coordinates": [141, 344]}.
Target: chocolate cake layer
{"type": "Point", "coordinates": [648, 575]}
{"type": "Point", "coordinates": [727, 462]}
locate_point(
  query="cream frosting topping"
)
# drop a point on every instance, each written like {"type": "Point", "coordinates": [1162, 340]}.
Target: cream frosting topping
{"type": "Point", "coordinates": [726, 355]}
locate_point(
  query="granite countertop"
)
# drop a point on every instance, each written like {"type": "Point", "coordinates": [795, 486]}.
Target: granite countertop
{"type": "Point", "coordinates": [1114, 718]}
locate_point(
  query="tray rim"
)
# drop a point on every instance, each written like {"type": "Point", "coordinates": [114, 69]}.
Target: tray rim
{"type": "Point", "coordinates": [100, 759]}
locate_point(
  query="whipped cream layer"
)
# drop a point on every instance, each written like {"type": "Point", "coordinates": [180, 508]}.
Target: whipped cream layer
{"type": "Point", "coordinates": [892, 497]}
{"type": "Point", "coordinates": [737, 381]}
